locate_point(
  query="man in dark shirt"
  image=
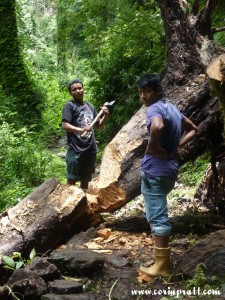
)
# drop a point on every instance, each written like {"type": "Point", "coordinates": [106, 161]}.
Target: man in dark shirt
{"type": "Point", "coordinates": [168, 131]}
{"type": "Point", "coordinates": [77, 115]}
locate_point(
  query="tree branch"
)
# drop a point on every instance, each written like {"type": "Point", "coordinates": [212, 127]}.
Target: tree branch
{"type": "Point", "coordinates": [215, 30]}
{"type": "Point", "coordinates": [195, 7]}
{"type": "Point", "coordinates": [204, 19]}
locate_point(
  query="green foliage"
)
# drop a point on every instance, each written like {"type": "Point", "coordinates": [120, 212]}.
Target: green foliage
{"type": "Point", "coordinates": [192, 172]}
{"type": "Point", "coordinates": [108, 44]}
{"type": "Point", "coordinates": [218, 21]}
{"type": "Point", "coordinates": [15, 79]}
{"type": "Point", "coordinates": [199, 280]}
{"type": "Point", "coordinates": [16, 261]}
{"type": "Point", "coordinates": [37, 31]}
{"type": "Point", "coordinates": [24, 164]}
{"type": "Point", "coordinates": [111, 45]}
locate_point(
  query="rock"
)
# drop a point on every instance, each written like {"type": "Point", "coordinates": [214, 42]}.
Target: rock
{"type": "Point", "coordinates": [65, 287]}
{"type": "Point", "coordinates": [4, 293]}
{"type": "Point", "coordinates": [68, 297]}
{"type": "Point", "coordinates": [77, 262]}
{"type": "Point", "coordinates": [82, 237]}
{"type": "Point", "coordinates": [210, 252]}
{"type": "Point", "coordinates": [129, 224]}
{"type": "Point", "coordinates": [43, 268]}
{"type": "Point", "coordinates": [215, 264]}
{"type": "Point", "coordinates": [118, 259]}
{"type": "Point", "coordinates": [27, 283]}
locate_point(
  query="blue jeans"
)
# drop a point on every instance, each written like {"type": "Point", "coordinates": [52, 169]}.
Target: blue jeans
{"type": "Point", "coordinates": [154, 191]}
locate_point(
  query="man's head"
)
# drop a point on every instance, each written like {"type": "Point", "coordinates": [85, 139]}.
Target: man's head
{"type": "Point", "coordinates": [149, 88]}
{"type": "Point", "coordinates": [76, 89]}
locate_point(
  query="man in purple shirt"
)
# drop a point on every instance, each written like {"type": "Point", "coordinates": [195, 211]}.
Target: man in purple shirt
{"type": "Point", "coordinates": [168, 131]}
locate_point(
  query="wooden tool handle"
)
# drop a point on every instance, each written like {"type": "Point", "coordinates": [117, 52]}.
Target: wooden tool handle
{"type": "Point", "coordinates": [92, 123]}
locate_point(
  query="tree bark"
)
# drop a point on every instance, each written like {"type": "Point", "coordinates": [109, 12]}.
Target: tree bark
{"type": "Point", "coordinates": [45, 219]}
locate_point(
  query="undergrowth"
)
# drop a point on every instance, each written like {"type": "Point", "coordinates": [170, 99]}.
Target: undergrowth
{"type": "Point", "coordinates": [191, 173]}
{"type": "Point", "coordinates": [25, 163]}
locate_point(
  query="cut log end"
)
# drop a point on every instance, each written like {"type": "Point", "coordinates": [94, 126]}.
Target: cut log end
{"type": "Point", "coordinates": [216, 70]}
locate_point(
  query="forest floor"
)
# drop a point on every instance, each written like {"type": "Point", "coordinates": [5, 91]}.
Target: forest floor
{"type": "Point", "coordinates": [125, 241]}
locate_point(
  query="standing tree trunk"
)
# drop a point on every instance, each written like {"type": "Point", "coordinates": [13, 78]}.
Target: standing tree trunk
{"type": "Point", "coordinates": [13, 74]}
{"type": "Point", "coordinates": [62, 36]}
{"type": "Point", "coordinates": [188, 50]}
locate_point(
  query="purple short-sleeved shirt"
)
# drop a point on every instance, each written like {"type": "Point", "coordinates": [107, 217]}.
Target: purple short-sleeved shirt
{"type": "Point", "coordinates": [172, 118]}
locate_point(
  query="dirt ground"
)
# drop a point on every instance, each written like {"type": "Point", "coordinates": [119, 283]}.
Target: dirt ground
{"type": "Point", "coordinates": [123, 256]}
{"type": "Point", "coordinates": [125, 241]}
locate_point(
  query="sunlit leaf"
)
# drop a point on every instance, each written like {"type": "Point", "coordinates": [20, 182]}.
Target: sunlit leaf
{"type": "Point", "coordinates": [9, 261]}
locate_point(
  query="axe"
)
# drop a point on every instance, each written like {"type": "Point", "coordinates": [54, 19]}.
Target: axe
{"type": "Point", "coordinates": [107, 104]}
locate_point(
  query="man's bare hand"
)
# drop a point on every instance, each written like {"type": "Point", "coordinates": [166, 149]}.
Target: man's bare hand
{"type": "Point", "coordinates": [105, 110]}
{"type": "Point", "coordinates": [87, 128]}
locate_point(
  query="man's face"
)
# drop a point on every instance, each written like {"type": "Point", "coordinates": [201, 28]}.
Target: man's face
{"type": "Point", "coordinates": [77, 91]}
{"type": "Point", "coordinates": [148, 96]}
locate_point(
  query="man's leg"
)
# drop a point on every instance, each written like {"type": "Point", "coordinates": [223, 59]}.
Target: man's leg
{"type": "Point", "coordinates": [72, 161]}
{"type": "Point", "coordinates": [155, 192]}
{"type": "Point", "coordinates": [161, 241]}
{"type": "Point", "coordinates": [71, 182]}
{"type": "Point", "coordinates": [84, 185]}
{"type": "Point", "coordinates": [87, 168]}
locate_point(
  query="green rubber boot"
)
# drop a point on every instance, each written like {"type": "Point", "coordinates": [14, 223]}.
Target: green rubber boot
{"type": "Point", "coordinates": [161, 265]}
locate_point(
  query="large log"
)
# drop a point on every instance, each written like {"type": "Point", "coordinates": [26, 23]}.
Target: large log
{"type": "Point", "coordinates": [45, 219]}
{"type": "Point", "coordinates": [119, 179]}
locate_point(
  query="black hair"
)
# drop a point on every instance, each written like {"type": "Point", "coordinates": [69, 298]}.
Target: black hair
{"type": "Point", "coordinates": [72, 82]}
{"type": "Point", "coordinates": [152, 81]}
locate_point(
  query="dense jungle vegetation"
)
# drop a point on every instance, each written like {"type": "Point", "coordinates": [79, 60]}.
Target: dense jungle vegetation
{"type": "Point", "coordinates": [45, 44]}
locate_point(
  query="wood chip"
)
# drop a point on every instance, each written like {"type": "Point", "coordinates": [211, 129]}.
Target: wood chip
{"type": "Point", "coordinates": [112, 238]}
{"type": "Point", "coordinates": [123, 240]}
{"type": "Point", "coordinates": [144, 278]}
{"type": "Point", "coordinates": [93, 245]}
{"type": "Point", "coordinates": [98, 239]}
{"type": "Point", "coordinates": [104, 233]}
{"type": "Point", "coordinates": [103, 251]}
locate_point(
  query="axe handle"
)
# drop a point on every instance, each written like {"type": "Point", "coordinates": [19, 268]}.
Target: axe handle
{"type": "Point", "coordinates": [93, 122]}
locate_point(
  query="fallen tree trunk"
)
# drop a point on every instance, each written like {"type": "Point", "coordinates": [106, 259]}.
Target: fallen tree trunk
{"type": "Point", "coordinates": [119, 179]}
{"type": "Point", "coordinates": [45, 219]}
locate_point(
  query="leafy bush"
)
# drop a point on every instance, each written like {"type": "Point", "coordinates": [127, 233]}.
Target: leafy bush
{"type": "Point", "coordinates": [24, 164]}
{"type": "Point", "coordinates": [16, 261]}
{"type": "Point", "coordinates": [192, 172]}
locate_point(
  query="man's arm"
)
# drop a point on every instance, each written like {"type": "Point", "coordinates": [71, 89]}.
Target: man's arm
{"type": "Point", "coordinates": [70, 128]}
{"type": "Point", "coordinates": [156, 130]}
{"type": "Point", "coordinates": [102, 121]}
{"type": "Point", "coordinates": [190, 131]}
